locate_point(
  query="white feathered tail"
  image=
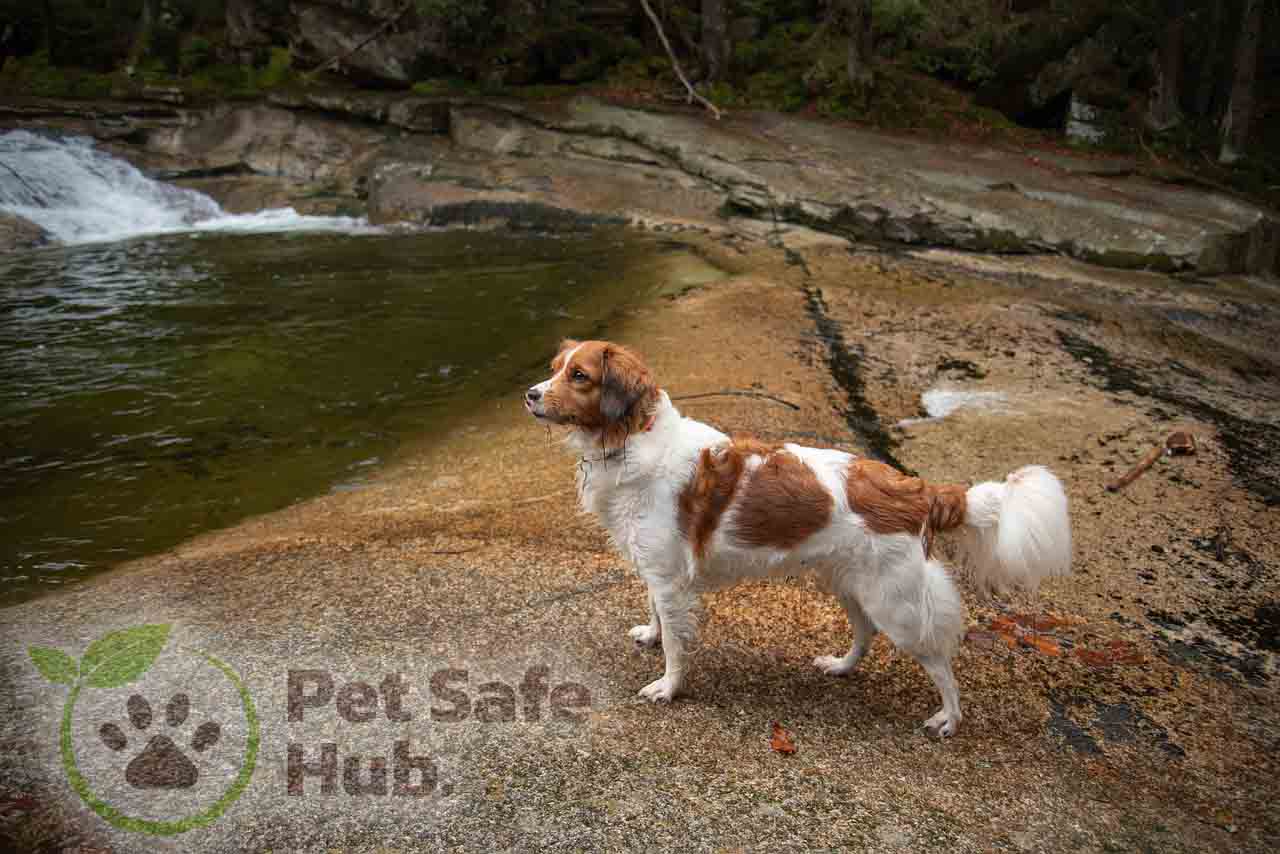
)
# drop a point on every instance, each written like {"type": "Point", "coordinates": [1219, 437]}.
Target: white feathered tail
{"type": "Point", "coordinates": [1017, 533]}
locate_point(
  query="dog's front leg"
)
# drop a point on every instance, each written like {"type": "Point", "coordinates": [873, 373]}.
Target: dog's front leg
{"type": "Point", "coordinates": [648, 634]}
{"type": "Point", "coordinates": [675, 614]}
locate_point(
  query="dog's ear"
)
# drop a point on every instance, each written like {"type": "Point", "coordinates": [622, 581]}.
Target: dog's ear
{"type": "Point", "coordinates": [624, 380]}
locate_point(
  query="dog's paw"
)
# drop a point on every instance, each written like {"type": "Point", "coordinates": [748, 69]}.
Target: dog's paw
{"type": "Point", "coordinates": [942, 725]}
{"type": "Point", "coordinates": [659, 690]}
{"type": "Point", "coordinates": [835, 665]}
{"type": "Point", "coordinates": [646, 635]}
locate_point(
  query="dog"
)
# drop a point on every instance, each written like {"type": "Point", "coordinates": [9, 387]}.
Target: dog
{"type": "Point", "coordinates": [694, 509]}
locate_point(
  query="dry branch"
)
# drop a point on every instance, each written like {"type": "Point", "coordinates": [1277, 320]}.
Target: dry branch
{"type": "Point", "coordinates": [675, 63]}
{"type": "Point", "coordinates": [337, 61]}
{"type": "Point", "coordinates": [735, 393]}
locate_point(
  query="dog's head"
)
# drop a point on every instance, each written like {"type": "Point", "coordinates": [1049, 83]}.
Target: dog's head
{"type": "Point", "coordinates": [596, 387]}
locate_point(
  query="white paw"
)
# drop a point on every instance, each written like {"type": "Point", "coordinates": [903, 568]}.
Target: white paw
{"type": "Point", "coordinates": [659, 690]}
{"type": "Point", "coordinates": [646, 635]}
{"type": "Point", "coordinates": [942, 725]}
{"type": "Point", "coordinates": [835, 665]}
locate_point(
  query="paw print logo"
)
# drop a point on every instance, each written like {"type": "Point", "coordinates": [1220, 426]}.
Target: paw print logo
{"type": "Point", "coordinates": [161, 764]}
{"type": "Point", "coordinates": [162, 744]}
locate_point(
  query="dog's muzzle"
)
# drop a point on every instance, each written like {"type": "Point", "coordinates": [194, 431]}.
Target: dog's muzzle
{"type": "Point", "coordinates": [534, 403]}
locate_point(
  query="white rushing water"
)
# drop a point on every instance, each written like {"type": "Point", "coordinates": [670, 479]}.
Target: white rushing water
{"type": "Point", "coordinates": [82, 195]}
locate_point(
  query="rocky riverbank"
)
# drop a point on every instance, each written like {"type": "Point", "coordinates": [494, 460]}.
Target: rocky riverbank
{"type": "Point", "coordinates": [453, 160]}
{"type": "Point", "coordinates": [1131, 707]}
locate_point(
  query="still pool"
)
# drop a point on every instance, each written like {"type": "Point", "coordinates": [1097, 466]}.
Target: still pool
{"type": "Point", "coordinates": [159, 387]}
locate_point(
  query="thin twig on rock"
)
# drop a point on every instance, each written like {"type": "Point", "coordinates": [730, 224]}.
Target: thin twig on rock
{"type": "Point", "coordinates": [675, 63]}
{"type": "Point", "coordinates": [1136, 472]}
{"type": "Point", "coordinates": [1175, 443]}
{"type": "Point", "coordinates": [735, 393]}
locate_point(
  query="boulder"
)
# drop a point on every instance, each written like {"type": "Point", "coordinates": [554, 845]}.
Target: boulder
{"type": "Point", "coordinates": [270, 141]}
{"type": "Point", "coordinates": [18, 233]}
{"type": "Point", "coordinates": [377, 42]}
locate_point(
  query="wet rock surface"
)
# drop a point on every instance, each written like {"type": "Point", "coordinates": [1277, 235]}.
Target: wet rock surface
{"type": "Point", "coordinates": [19, 233]}
{"type": "Point", "coordinates": [600, 159]}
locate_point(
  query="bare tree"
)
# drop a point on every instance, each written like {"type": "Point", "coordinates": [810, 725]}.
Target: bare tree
{"type": "Point", "coordinates": [49, 34]}
{"type": "Point", "coordinates": [858, 24]}
{"type": "Point", "coordinates": [1235, 123]}
{"type": "Point", "coordinates": [1205, 86]}
{"type": "Point", "coordinates": [142, 36]}
{"type": "Point", "coordinates": [715, 39]}
{"type": "Point", "coordinates": [1163, 111]}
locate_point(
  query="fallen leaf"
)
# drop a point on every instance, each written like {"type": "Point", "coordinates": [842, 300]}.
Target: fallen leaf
{"type": "Point", "coordinates": [1039, 622]}
{"type": "Point", "coordinates": [1003, 625]}
{"type": "Point", "coordinates": [781, 741]}
{"type": "Point", "coordinates": [1040, 643]}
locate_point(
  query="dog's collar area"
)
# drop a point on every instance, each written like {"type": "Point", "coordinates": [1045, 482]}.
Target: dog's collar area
{"type": "Point", "coordinates": [617, 453]}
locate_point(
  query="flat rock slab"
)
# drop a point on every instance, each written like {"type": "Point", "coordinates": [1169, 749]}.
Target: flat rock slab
{"type": "Point", "coordinates": [869, 185]}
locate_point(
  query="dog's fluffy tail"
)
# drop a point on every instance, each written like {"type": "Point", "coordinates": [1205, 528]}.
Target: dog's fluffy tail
{"type": "Point", "coordinates": [1017, 533]}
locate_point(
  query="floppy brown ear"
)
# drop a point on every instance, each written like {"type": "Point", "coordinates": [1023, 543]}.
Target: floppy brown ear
{"type": "Point", "coordinates": [624, 380]}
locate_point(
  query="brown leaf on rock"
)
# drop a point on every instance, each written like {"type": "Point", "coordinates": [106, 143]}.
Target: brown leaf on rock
{"type": "Point", "coordinates": [1041, 644]}
{"type": "Point", "coordinates": [781, 741]}
{"type": "Point", "coordinates": [1040, 622]}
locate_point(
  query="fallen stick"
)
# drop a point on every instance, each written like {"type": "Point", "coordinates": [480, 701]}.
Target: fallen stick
{"type": "Point", "coordinates": [1176, 443]}
{"type": "Point", "coordinates": [734, 393]}
{"type": "Point", "coordinates": [336, 62]}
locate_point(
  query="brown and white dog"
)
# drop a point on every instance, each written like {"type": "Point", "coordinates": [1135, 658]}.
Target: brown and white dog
{"type": "Point", "coordinates": [694, 509]}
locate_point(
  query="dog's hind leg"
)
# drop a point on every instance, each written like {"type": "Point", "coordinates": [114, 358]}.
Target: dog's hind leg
{"type": "Point", "coordinates": [648, 634]}
{"type": "Point", "coordinates": [916, 604]}
{"type": "Point", "coordinates": [674, 609]}
{"type": "Point", "coordinates": [863, 631]}
{"type": "Point", "coordinates": [945, 722]}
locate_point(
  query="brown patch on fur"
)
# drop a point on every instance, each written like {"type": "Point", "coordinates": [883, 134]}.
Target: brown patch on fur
{"type": "Point", "coordinates": [782, 503]}
{"type": "Point", "coordinates": [600, 387]}
{"type": "Point", "coordinates": [892, 502]}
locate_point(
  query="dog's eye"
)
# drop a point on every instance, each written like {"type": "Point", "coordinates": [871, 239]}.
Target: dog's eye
{"type": "Point", "coordinates": [580, 377]}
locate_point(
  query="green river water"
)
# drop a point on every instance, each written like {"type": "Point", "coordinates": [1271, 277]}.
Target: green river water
{"type": "Point", "coordinates": [155, 388]}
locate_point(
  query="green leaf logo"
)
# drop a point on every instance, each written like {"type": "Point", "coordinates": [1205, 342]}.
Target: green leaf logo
{"type": "Point", "coordinates": [116, 659]}
{"type": "Point", "coordinates": [120, 657]}
{"type": "Point", "coordinates": [54, 664]}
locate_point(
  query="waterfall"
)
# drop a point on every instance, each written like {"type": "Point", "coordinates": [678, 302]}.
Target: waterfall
{"type": "Point", "coordinates": [79, 194]}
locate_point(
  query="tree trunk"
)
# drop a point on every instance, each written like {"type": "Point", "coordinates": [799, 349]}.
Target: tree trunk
{"type": "Point", "coordinates": [142, 37]}
{"type": "Point", "coordinates": [1235, 123]}
{"type": "Point", "coordinates": [48, 29]}
{"type": "Point", "coordinates": [1163, 111]}
{"type": "Point", "coordinates": [715, 39]}
{"type": "Point", "coordinates": [1209, 67]}
{"type": "Point", "coordinates": [858, 61]}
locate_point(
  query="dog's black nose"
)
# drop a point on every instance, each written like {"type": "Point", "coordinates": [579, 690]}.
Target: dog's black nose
{"type": "Point", "coordinates": [532, 394]}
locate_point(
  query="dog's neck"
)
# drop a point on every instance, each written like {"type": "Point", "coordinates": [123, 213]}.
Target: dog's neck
{"type": "Point", "coordinates": [591, 447]}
